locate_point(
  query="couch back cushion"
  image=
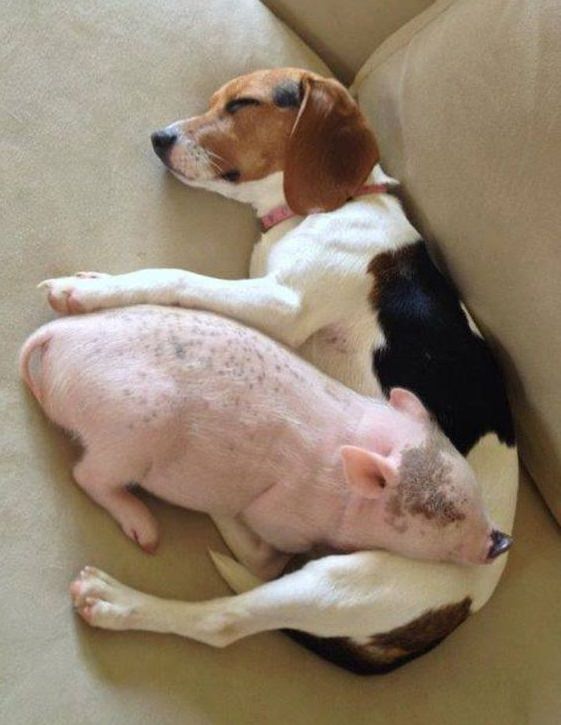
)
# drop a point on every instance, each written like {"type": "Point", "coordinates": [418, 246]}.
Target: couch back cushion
{"type": "Point", "coordinates": [466, 104]}
{"type": "Point", "coordinates": [346, 33]}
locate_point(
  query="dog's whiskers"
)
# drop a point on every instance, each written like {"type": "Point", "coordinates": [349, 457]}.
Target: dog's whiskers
{"type": "Point", "coordinates": [214, 155]}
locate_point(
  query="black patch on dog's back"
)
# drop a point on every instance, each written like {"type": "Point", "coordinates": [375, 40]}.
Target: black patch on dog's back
{"type": "Point", "coordinates": [431, 350]}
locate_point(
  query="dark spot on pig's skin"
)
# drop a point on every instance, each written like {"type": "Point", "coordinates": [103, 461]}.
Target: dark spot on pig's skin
{"type": "Point", "coordinates": [388, 651]}
{"type": "Point", "coordinates": [424, 486]}
{"type": "Point", "coordinates": [179, 350]}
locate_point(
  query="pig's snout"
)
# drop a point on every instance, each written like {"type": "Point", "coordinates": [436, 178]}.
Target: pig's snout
{"type": "Point", "coordinates": [487, 550]}
{"type": "Point", "coordinates": [30, 361]}
{"type": "Point", "coordinates": [500, 543]}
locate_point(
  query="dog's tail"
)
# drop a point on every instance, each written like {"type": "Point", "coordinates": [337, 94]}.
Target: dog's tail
{"type": "Point", "coordinates": [238, 578]}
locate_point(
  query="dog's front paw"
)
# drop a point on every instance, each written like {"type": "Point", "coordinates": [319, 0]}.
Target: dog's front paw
{"type": "Point", "coordinates": [84, 292]}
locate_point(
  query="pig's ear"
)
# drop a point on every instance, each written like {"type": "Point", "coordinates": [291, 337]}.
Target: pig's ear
{"type": "Point", "coordinates": [367, 473]}
{"type": "Point", "coordinates": [408, 403]}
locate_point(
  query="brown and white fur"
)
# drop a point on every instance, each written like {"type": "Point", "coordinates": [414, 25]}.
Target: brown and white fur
{"type": "Point", "coordinates": [291, 137]}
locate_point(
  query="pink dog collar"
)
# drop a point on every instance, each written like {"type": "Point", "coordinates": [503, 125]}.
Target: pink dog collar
{"type": "Point", "coordinates": [282, 213]}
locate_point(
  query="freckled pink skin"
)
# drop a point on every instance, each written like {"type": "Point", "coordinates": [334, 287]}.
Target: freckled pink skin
{"type": "Point", "coordinates": [213, 416]}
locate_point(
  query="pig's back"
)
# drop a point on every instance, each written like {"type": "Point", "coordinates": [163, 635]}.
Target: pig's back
{"type": "Point", "coordinates": [191, 354]}
{"type": "Point", "coordinates": [196, 391]}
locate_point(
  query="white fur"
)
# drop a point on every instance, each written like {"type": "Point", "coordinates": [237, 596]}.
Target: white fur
{"type": "Point", "coordinates": [309, 289]}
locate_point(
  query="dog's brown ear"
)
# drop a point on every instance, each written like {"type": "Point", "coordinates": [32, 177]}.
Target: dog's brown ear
{"type": "Point", "coordinates": [330, 151]}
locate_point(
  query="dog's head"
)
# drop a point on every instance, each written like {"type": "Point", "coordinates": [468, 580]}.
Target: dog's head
{"type": "Point", "coordinates": [291, 121]}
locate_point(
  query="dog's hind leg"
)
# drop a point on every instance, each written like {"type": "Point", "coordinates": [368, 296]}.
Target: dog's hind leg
{"type": "Point", "coordinates": [332, 597]}
{"type": "Point", "coordinates": [302, 600]}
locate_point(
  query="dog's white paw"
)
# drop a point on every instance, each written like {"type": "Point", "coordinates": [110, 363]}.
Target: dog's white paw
{"type": "Point", "coordinates": [104, 602]}
{"type": "Point", "coordinates": [84, 292]}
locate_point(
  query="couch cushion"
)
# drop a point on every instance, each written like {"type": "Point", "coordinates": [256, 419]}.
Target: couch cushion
{"type": "Point", "coordinates": [346, 33]}
{"type": "Point", "coordinates": [83, 85]}
{"type": "Point", "coordinates": [466, 103]}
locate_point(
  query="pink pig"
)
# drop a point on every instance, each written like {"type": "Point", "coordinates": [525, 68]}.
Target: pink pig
{"type": "Point", "coordinates": [213, 416]}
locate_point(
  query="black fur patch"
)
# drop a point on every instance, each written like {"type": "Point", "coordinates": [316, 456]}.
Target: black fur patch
{"type": "Point", "coordinates": [431, 350]}
{"type": "Point", "coordinates": [287, 94]}
{"type": "Point", "coordinates": [388, 651]}
{"type": "Point", "coordinates": [341, 652]}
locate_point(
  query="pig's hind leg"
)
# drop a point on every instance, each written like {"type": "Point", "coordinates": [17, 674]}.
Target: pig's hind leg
{"type": "Point", "coordinates": [109, 490]}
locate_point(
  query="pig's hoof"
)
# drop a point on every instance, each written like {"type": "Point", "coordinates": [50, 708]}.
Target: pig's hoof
{"type": "Point", "coordinates": [103, 601]}
{"type": "Point", "coordinates": [146, 537]}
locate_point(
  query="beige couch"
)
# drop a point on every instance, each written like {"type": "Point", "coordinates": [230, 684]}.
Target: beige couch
{"type": "Point", "coordinates": [465, 100]}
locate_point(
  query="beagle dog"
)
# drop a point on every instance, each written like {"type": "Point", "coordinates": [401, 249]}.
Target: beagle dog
{"type": "Point", "coordinates": [340, 275]}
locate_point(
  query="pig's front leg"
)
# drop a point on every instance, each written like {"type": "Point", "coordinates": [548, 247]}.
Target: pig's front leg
{"type": "Point", "coordinates": [257, 555]}
{"type": "Point", "coordinates": [128, 510]}
{"type": "Point", "coordinates": [265, 303]}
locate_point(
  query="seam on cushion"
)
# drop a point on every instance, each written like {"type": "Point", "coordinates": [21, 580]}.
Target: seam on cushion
{"type": "Point", "coordinates": [549, 499]}
{"type": "Point", "coordinates": [400, 116]}
{"type": "Point", "coordinates": [360, 79]}
{"type": "Point", "coordinates": [287, 25]}
{"type": "Point", "coordinates": [547, 492]}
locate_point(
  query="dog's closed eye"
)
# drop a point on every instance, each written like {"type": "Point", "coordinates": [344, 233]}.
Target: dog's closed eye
{"type": "Point", "coordinates": [232, 175]}
{"type": "Point", "coordinates": [237, 103]}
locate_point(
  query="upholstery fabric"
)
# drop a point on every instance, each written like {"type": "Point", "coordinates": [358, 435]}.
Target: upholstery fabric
{"type": "Point", "coordinates": [346, 33]}
{"type": "Point", "coordinates": [466, 103]}
{"type": "Point", "coordinates": [82, 86]}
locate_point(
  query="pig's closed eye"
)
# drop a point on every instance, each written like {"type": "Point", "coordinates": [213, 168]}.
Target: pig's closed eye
{"type": "Point", "coordinates": [237, 103]}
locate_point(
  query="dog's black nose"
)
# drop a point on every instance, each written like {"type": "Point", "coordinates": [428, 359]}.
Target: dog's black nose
{"type": "Point", "coordinates": [162, 141]}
